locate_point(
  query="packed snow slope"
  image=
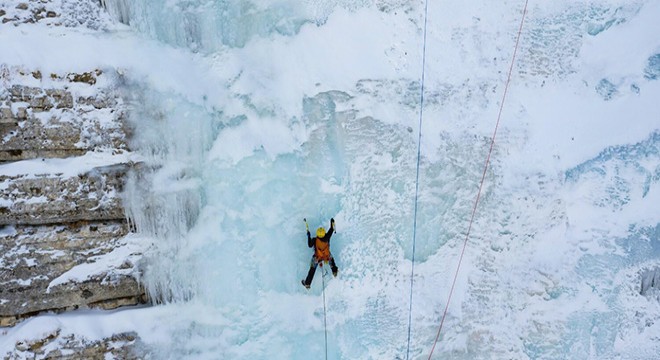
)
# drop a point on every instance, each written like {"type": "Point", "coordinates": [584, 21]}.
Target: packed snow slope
{"type": "Point", "coordinates": [257, 114]}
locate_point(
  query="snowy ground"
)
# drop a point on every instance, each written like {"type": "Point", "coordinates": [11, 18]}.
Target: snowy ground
{"type": "Point", "coordinates": [312, 111]}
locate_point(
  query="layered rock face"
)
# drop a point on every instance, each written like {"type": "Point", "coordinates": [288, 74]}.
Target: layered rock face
{"type": "Point", "coordinates": [56, 219]}
{"type": "Point", "coordinates": [63, 233]}
{"type": "Point", "coordinates": [56, 346]}
{"type": "Point", "coordinates": [65, 243]}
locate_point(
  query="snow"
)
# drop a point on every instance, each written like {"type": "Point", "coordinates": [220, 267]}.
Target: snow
{"type": "Point", "coordinates": [107, 264]}
{"type": "Point", "coordinates": [65, 167]}
{"type": "Point", "coordinates": [322, 121]}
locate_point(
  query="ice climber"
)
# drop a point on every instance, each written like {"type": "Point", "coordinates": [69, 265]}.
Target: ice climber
{"type": "Point", "coordinates": [321, 244]}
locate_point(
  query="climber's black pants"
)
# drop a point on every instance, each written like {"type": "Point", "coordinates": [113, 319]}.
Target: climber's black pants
{"type": "Point", "coordinates": [312, 269]}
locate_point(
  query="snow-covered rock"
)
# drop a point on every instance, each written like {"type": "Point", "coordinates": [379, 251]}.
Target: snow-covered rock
{"type": "Point", "coordinates": [65, 242]}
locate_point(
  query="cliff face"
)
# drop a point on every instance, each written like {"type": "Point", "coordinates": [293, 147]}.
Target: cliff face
{"type": "Point", "coordinates": [65, 243]}
{"type": "Point", "coordinates": [56, 219]}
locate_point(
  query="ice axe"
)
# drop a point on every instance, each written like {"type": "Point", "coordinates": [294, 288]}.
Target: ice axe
{"type": "Point", "coordinates": [307, 226]}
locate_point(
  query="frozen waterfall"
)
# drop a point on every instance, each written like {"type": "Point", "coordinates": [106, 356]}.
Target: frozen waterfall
{"type": "Point", "coordinates": [309, 109]}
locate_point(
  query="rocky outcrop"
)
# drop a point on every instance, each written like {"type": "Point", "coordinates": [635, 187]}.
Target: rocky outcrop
{"type": "Point", "coordinates": [53, 199]}
{"type": "Point", "coordinates": [68, 13]}
{"type": "Point", "coordinates": [64, 267]}
{"type": "Point", "coordinates": [64, 239]}
{"type": "Point", "coordinates": [65, 243]}
{"type": "Point", "coordinates": [57, 122]}
{"type": "Point", "coordinates": [54, 346]}
{"type": "Point", "coordinates": [28, 12]}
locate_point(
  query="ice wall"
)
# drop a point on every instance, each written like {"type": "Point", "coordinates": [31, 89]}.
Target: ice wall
{"type": "Point", "coordinates": [306, 130]}
{"type": "Point", "coordinates": [208, 26]}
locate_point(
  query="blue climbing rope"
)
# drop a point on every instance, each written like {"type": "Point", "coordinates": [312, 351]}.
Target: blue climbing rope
{"type": "Point", "coordinates": [419, 149]}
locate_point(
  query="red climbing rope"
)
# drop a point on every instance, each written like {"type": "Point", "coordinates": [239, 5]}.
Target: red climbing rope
{"type": "Point", "coordinates": [483, 177]}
